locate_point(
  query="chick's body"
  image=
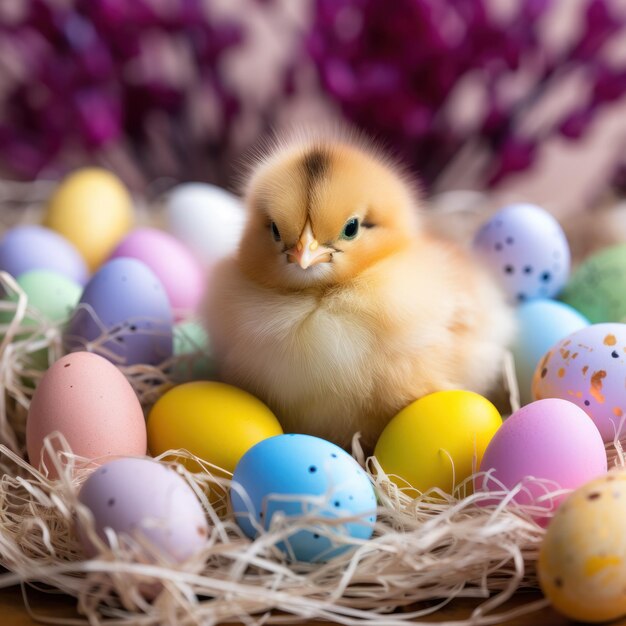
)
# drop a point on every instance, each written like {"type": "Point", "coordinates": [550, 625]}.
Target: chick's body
{"type": "Point", "coordinates": [338, 325]}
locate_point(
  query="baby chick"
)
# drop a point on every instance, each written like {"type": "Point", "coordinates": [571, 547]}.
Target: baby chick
{"type": "Point", "coordinates": [339, 308]}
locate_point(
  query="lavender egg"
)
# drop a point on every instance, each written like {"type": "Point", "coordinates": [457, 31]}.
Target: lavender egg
{"type": "Point", "coordinates": [127, 303]}
{"type": "Point", "coordinates": [26, 248]}
{"type": "Point", "coordinates": [588, 368]}
{"type": "Point", "coordinates": [140, 497]}
{"type": "Point", "coordinates": [526, 249]}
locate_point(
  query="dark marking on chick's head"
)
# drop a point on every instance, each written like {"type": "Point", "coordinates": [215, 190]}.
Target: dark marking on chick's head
{"type": "Point", "coordinates": [316, 165]}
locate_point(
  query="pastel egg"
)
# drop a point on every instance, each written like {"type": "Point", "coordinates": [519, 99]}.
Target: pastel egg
{"type": "Point", "coordinates": [127, 303]}
{"type": "Point", "coordinates": [551, 440]}
{"type": "Point", "coordinates": [527, 251]}
{"type": "Point", "coordinates": [214, 421]}
{"type": "Point", "coordinates": [294, 475]}
{"type": "Point", "coordinates": [206, 218]}
{"type": "Point", "coordinates": [92, 208]}
{"type": "Point", "coordinates": [540, 324]}
{"type": "Point", "coordinates": [52, 295]}
{"type": "Point", "coordinates": [192, 350]}
{"type": "Point", "coordinates": [51, 299]}
{"type": "Point", "coordinates": [438, 440]}
{"type": "Point", "coordinates": [588, 368]}
{"type": "Point", "coordinates": [26, 248]}
{"type": "Point", "coordinates": [596, 288]}
{"type": "Point", "coordinates": [145, 501]}
{"type": "Point", "coordinates": [175, 266]}
{"type": "Point", "coordinates": [582, 562]}
{"type": "Point", "coordinates": [90, 402]}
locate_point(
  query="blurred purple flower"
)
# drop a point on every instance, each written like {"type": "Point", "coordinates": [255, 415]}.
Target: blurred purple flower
{"type": "Point", "coordinates": [97, 71]}
{"type": "Point", "coordinates": [576, 123]}
{"type": "Point", "coordinates": [394, 72]}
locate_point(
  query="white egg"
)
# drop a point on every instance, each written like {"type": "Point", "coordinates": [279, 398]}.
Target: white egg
{"type": "Point", "coordinates": [208, 219]}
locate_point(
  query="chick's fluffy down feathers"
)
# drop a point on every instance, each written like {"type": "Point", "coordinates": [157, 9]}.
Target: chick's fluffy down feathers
{"type": "Point", "coordinates": [380, 320]}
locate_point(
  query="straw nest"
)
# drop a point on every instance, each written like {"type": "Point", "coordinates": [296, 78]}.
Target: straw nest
{"type": "Point", "coordinates": [425, 551]}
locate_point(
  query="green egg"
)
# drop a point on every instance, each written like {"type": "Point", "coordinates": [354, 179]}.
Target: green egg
{"type": "Point", "coordinates": [54, 297]}
{"type": "Point", "coordinates": [193, 353]}
{"type": "Point", "coordinates": [51, 294]}
{"type": "Point", "coordinates": [597, 289]}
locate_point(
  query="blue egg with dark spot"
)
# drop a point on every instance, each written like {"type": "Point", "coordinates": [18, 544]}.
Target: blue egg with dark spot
{"type": "Point", "coordinates": [526, 249]}
{"type": "Point", "coordinates": [124, 315]}
{"type": "Point", "coordinates": [295, 475]}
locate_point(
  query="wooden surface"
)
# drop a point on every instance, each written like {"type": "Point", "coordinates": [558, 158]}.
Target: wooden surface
{"type": "Point", "coordinates": [43, 605]}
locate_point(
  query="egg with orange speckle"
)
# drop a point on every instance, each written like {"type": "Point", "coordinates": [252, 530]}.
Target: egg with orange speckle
{"type": "Point", "coordinates": [582, 561]}
{"type": "Point", "coordinates": [588, 368]}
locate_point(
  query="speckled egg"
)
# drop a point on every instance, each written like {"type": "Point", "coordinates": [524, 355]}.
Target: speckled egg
{"type": "Point", "coordinates": [90, 402]}
{"type": "Point", "coordinates": [526, 249]}
{"type": "Point", "coordinates": [294, 475]}
{"type": "Point", "coordinates": [175, 266]}
{"type": "Point", "coordinates": [126, 303]}
{"type": "Point", "coordinates": [551, 440]}
{"type": "Point", "coordinates": [26, 248]}
{"type": "Point", "coordinates": [540, 324]}
{"type": "Point", "coordinates": [582, 562]}
{"type": "Point", "coordinates": [596, 287]}
{"type": "Point", "coordinates": [588, 368]}
{"type": "Point", "coordinates": [141, 498]}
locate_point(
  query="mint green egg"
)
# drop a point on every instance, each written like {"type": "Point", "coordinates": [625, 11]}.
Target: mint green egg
{"type": "Point", "coordinates": [193, 353]}
{"type": "Point", "coordinates": [54, 297]}
{"type": "Point", "coordinates": [51, 294]}
{"type": "Point", "coordinates": [597, 288]}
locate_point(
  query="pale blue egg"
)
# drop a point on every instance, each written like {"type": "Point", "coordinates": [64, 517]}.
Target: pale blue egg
{"type": "Point", "coordinates": [540, 325]}
{"type": "Point", "coordinates": [126, 301]}
{"type": "Point", "coordinates": [527, 251]}
{"type": "Point", "coordinates": [276, 471]}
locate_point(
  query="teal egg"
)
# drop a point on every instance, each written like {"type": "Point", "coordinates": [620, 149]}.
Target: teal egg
{"type": "Point", "coordinates": [597, 289]}
{"type": "Point", "coordinates": [540, 324]}
{"type": "Point", "coordinates": [193, 353]}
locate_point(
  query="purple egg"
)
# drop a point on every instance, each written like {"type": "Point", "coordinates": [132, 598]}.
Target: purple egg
{"type": "Point", "coordinates": [181, 275]}
{"type": "Point", "coordinates": [125, 300]}
{"type": "Point", "coordinates": [140, 497]}
{"type": "Point", "coordinates": [526, 249]}
{"type": "Point", "coordinates": [26, 248]}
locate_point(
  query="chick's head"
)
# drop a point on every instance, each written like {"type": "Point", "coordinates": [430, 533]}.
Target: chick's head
{"type": "Point", "coordinates": [322, 213]}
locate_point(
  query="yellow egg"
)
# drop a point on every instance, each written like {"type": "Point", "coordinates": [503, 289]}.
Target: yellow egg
{"type": "Point", "coordinates": [582, 562]}
{"type": "Point", "coordinates": [93, 209]}
{"type": "Point", "coordinates": [421, 443]}
{"type": "Point", "coordinates": [214, 421]}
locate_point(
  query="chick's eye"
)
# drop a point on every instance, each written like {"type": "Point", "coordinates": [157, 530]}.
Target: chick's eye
{"type": "Point", "coordinates": [275, 231]}
{"type": "Point", "coordinates": [351, 229]}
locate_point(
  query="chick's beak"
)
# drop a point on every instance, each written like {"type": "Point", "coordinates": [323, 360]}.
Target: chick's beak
{"type": "Point", "coordinates": [308, 251]}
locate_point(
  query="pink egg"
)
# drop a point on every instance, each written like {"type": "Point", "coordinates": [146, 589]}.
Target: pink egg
{"type": "Point", "coordinates": [89, 401]}
{"type": "Point", "coordinates": [176, 267]}
{"type": "Point", "coordinates": [551, 440]}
